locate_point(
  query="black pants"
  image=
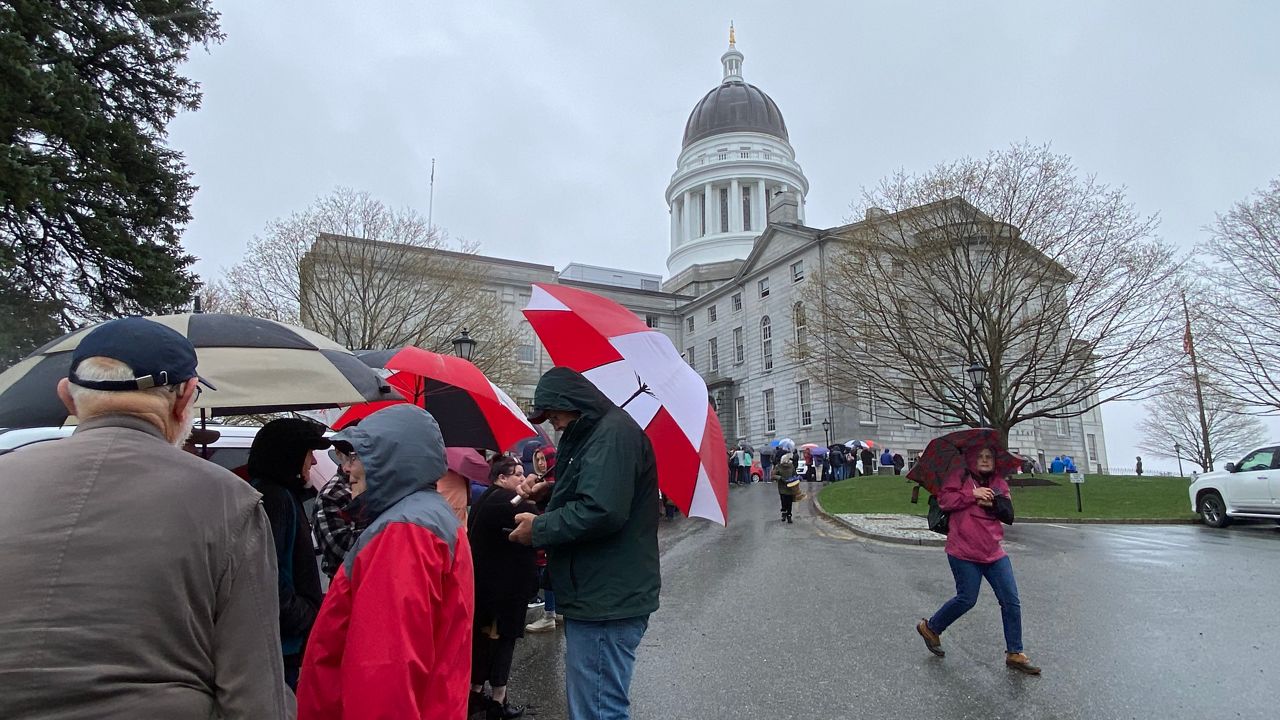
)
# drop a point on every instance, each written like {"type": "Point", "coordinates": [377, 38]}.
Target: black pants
{"type": "Point", "coordinates": [491, 659]}
{"type": "Point", "coordinates": [292, 669]}
{"type": "Point", "coordinates": [787, 500]}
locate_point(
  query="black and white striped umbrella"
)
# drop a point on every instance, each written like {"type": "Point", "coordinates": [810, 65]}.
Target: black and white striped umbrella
{"type": "Point", "coordinates": [258, 366]}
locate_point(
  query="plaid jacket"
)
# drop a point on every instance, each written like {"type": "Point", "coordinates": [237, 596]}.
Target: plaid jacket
{"type": "Point", "coordinates": [334, 533]}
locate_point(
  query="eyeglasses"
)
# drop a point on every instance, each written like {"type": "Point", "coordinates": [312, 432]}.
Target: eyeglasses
{"type": "Point", "coordinates": [175, 389]}
{"type": "Point", "coordinates": [345, 458]}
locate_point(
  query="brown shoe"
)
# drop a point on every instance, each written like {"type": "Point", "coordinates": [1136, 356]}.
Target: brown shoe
{"type": "Point", "coordinates": [1021, 663]}
{"type": "Point", "coordinates": [931, 639]}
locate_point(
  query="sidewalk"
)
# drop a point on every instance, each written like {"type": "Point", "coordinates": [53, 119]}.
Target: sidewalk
{"type": "Point", "coordinates": [886, 527]}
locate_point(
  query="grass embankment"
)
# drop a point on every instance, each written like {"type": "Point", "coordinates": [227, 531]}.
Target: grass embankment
{"type": "Point", "coordinates": [1103, 497]}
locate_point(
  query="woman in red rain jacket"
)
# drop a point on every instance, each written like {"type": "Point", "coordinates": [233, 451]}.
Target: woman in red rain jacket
{"type": "Point", "coordinates": [393, 637]}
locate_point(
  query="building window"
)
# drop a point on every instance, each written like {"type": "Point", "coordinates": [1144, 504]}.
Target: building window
{"type": "Point", "coordinates": [524, 354]}
{"type": "Point", "coordinates": [713, 348]}
{"type": "Point", "coordinates": [736, 300]}
{"type": "Point", "coordinates": [711, 314]}
{"type": "Point", "coordinates": [770, 422]}
{"type": "Point", "coordinates": [913, 410]}
{"type": "Point", "coordinates": [1092, 442]}
{"type": "Point", "coordinates": [1063, 429]}
{"type": "Point", "coordinates": [766, 342]}
{"type": "Point", "coordinates": [740, 417]}
{"type": "Point", "coordinates": [899, 267]}
{"type": "Point", "coordinates": [724, 208]}
{"type": "Point", "coordinates": [797, 271]}
{"type": "Point", "coordinates": [649, 285]}
{"type": "Point", "coordinates": [763, 285]}
{"type": "Point", "coordinates": [768, 154]}
{"type": "Point", "coordinates": [688, 323]}
{"type": "Point", "coordinates": [801, 325]}
{"type": "Point", "coordinates": [651, 320]}
{"type": "Point", "coordinates": [744, 152]}
{"type": "Point", "coordinates": [702, 213]}
{"type": "Point", "coordinates": [746, 207]}
{"type": "Point", "coordinates": [804, 402]}
{"type": "Point", "coordinates": [867, 406]}
{"type": "Point", "coordinates": [722, 154]}
{"type": "Point", "coordinates": [688, 356]}
{"type": "Point", "coordinates": [737, 346]}
{"type": "Point", "coordinates": [526, 404]}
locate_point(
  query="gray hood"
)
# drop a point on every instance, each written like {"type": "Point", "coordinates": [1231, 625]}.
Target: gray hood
{"type": "Point", "coordinates": [402, 452]}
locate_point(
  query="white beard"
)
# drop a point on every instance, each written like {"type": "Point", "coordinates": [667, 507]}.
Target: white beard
{"type": "Point", "coordinates": [179, 439]}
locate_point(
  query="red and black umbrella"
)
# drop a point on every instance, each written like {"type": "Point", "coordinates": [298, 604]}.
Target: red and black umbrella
{"type": "Point", "coordinates": [946, 455]}
{"type": "Point", "coordinates": [471, 410]}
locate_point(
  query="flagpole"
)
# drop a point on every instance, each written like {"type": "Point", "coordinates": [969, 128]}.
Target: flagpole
{"type": "Point", "coordinates": [431, 196]}
{"type": "Point", "coordinates": [1188, 344]}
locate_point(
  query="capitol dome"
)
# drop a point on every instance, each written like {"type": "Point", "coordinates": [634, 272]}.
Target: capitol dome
{"type": "Point", "coordinates": [735, 159]}
{"type": "Point", "coordinates": [734, 106]}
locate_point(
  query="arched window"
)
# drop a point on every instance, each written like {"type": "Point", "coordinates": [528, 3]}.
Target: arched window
{"type": "Point", "coordinates": [766, 342]}
{"type": "Point", "coordinates": [801, 325]}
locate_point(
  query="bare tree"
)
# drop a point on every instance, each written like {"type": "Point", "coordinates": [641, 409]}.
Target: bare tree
{"type": "Point", "coordinates": [1048, 281]}
{"type": "Point", "coordinates": [1245, 282]}
{"type": "Point", "coordinates": [1173, 419]}
{"type": "Point", "coordinates": [371, 277]}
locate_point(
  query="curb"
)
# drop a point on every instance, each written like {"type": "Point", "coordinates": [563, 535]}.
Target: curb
{"type": "Point", "coordinates": [942, 542]}
{"type": "Point", "coordinates": [919, 542]}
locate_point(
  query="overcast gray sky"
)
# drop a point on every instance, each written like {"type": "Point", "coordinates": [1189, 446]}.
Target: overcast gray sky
{"type": "Point", "coordinates": [556, 125]}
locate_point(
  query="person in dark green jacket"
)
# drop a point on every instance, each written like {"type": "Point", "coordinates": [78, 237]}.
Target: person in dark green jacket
{"type": "Point", "coordinates": [600, 532]}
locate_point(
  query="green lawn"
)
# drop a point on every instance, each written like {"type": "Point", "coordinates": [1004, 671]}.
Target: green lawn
{"type": "Point", "coordinates": [1103, 496]}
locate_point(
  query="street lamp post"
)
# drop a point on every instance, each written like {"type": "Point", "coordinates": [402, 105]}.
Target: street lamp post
{"type": "Point", "coordinates": [464, 346]}
{"type": "Point", "coordinates": [1177, 451]}
{"type": "Point", "coordinates": [978, 376]}
{"type": "Point", "coordinates": [826, 429]}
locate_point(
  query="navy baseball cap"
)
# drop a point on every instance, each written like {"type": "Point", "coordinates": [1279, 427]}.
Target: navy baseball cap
{"type": "Point", "coordinates": [159, 355]}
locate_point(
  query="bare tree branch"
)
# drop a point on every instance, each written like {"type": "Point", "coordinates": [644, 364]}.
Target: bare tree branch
{"type": "Point", "coordinates": [1244, 286]}
{"type": "Point", "coordinates": [371, 277]}
{"type": "Point", "coordinates": [1173, 419]}
{"type": "Point", "coordinates": [1048, 280]}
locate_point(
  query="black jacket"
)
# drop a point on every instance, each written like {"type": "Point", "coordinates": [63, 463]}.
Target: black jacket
{"type": "Point", "coordinates": [506, 573]}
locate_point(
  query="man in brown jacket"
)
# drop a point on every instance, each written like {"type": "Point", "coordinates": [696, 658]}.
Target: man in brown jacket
{"type": "Point", "coordinates": [138, 580]}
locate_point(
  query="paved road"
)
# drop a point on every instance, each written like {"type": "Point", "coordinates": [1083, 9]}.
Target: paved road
{"type": "Point", "coordinates": [770, 621]}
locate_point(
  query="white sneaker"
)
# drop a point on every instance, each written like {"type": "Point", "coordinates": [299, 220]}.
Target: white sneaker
{"type": "Point", "coordinates": [545, 624]}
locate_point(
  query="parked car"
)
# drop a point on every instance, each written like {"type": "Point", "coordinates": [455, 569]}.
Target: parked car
{"type": "Point", "coordinates": [757, 471]}
{"type": "Point", "coordinates": [1246, 489]}
{"type": "Point", "coordinates": [230, 449]}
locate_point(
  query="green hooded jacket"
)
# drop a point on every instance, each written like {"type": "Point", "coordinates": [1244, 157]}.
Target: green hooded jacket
{"type": "Point", "coordinates": [600, 529]}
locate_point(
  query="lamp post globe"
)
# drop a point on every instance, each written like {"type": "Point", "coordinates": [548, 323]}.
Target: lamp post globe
{"type": "Point", "coordinates": [464, 346]}
{"type": "Point", "coordinates": [978, 376]}
{"type": "Point", "coordinates": [826, 429]}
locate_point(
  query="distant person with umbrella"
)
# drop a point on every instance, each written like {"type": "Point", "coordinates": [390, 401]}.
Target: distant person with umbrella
{"type": "Point", "coordinates": [967, 473]}
{"type": "Point", "coordinates": [898, 463]}
{"type": "Point", "coordinates": [784, 476]}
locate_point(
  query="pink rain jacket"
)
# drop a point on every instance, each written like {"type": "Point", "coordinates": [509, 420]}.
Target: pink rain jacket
{"type": "Point", "coordinates": [975, 533]}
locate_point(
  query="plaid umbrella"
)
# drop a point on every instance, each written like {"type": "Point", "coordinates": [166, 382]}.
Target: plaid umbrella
{"type": "Point", "coordinates": [257, 365]}
{"type": "Point", "coordinates": [945, 455]}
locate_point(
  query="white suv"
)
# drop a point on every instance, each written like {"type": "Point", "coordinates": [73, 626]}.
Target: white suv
{"type": "Point", "coordinates": [1247, 489]}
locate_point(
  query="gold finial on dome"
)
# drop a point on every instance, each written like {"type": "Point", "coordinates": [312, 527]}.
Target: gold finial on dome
{"type": "Point", "coordinates": [731, 38]}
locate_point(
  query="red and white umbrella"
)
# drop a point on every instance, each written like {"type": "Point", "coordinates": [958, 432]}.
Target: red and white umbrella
{"type": "Point", "coordinates": [471, 410]}
{"type": "Point", "coordinates": [617, 352]}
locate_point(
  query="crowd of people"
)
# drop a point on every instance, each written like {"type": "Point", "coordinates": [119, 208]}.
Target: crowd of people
{"type": "Point", "coordinates": [144, 581]}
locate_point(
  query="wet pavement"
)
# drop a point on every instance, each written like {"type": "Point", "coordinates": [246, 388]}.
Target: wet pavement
{"type": "Point", "coordinates": [771, 621]}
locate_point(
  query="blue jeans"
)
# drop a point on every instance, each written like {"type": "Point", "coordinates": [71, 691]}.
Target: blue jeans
{"type": "Point", "coordinates": [599, 659]}
{"type": "Point", "coordinates": [968, 577]}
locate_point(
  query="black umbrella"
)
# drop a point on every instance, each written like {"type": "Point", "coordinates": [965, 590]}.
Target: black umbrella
{"type": "Point", "coordinates": [258, 366]}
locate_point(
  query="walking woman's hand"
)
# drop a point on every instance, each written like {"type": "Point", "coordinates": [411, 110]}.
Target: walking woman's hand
{"type": "Point", "coordinates": [983, 494]}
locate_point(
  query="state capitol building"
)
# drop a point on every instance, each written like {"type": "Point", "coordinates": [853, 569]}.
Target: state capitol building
{"type": "Point", "coordinates": [741, 252]}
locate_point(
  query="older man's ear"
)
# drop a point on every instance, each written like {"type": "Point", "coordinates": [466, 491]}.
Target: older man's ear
{"type": "Point", "coordinates": [64, 394]}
